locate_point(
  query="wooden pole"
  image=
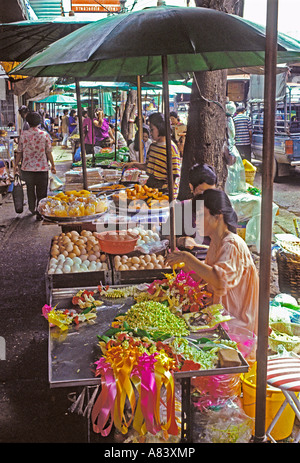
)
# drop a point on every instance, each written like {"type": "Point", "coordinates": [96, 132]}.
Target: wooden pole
{"type": "Point", "coordinates": [83, 160]}
{"type": "Point", "coordinates": [266, 217]}
{"type": "Point", "coordinates": [140, 118]}
{"type": "Point", "coordinates": [169, 150]}
{"type": "Point", "coordinates": [116, 123]}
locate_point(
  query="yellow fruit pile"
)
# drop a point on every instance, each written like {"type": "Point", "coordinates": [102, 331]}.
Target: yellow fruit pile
{"type": "Point", "coordinates": [151, 196]}
{"type": "Point", "coordinates": [72, 204]}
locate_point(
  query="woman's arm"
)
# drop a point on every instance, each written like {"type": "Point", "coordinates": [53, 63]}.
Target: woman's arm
{"type": "Point", "coordinates": [18, 159]}
{"type": "Point", "coordinates": [202, 270]}
{"type": "Point", "coordinates": [51, 160]}
{"type": "Point", "coordinates": [138, 165]}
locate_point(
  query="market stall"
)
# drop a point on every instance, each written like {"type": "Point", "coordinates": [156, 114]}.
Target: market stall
{"type": "Point", "coordinates": [227, 55]}
{"type": "Point", "coordinates": [121, 269]}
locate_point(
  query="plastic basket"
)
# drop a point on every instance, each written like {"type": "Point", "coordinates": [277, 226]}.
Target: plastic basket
{"type": "Point", "coordinates": [274, 399]}
{"type": "Point", "coordinates": [288, 273]}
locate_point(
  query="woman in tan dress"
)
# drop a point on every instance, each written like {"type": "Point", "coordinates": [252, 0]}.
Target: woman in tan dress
{"type": "Point", "coordinates": [228, 268]}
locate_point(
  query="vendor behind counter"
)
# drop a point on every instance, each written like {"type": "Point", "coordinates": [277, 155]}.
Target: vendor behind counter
{"type": "Point", "coordinates": [156, 160]}
{"type": "Point", "coordinates": [202, 177]}
{"type": "Point", "coordinates": [228, 270]}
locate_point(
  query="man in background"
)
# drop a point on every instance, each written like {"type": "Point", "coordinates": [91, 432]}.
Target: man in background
{"type": "Point", "coordinates": [243, 133]}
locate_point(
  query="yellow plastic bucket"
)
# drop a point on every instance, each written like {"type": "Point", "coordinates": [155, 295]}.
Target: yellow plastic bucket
{"type": "Point", "coordinates": [274, 400]}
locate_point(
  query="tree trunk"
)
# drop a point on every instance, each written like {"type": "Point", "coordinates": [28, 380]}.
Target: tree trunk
{"type": "Point", "coordinates": [128, 115]}
{"type": "Point", "coordinates": [206, 128]}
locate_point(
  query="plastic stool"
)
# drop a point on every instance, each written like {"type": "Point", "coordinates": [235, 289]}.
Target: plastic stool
{"type": "Point", "coordinates": [284, 374]}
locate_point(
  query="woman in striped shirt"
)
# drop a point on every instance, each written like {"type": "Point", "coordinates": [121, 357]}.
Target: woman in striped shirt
{"type": "Point", "coordinates": [156, 160]}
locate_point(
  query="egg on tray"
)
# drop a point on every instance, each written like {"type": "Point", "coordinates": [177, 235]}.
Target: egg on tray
{"type": "Point", "coordinates": [145, 236]}
{"type": "Point", "coordinates": [75, 252]}
{"type": "Point", "coordinates": [143, 262]}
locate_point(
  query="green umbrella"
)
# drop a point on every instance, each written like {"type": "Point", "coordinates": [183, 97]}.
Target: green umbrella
{"type": "Point", "coordinates": [20, 40]}
{"type": "Point", "coordinates": [123, 46]}
{"type": "Point", "coordinates": [58, 99]}
{"type": "Point", "coordinates": [165, 42]}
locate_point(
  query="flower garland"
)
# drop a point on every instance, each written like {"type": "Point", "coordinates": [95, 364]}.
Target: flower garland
{"type": "Point", "coordinates": [180, 291]}
{"type": "Point", "coordinates": [64, 318]}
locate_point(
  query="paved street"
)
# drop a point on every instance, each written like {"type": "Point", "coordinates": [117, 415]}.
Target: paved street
{"type": "Point", "coordinates": [286, 194]}
{"type": "Point", "coordinates": [29, 410]}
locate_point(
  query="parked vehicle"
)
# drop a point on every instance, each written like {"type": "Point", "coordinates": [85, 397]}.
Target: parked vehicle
{"type": "Point", "coordinates": [287, 128]}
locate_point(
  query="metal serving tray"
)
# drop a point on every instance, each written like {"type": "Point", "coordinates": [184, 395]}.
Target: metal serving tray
{"type": "Point", "coordinates": [72, 355]}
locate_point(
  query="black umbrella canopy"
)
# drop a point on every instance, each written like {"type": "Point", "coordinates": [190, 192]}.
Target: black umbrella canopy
{"type": "Point", "coordinates": [131, 44]}
{"type": "Point", "coordinates": [20, 40]}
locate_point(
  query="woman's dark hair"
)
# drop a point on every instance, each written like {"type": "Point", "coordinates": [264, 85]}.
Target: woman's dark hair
{"type": "Point", "coordinates": [217, 202]}
{"type": "Point", "coordinates": [136, 137]}
{"type": "Point", "coordinates": [72, 112]}
{"type": "Point", "coordinates": [158, 120]}
{"type": "Point", "coordinates": [202, 173]}
{"type": "Point", "coordinates": [33, 118]}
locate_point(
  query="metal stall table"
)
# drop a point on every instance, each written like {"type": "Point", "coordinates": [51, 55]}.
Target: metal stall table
{"type": "Point", "coordinates": [71, 354]}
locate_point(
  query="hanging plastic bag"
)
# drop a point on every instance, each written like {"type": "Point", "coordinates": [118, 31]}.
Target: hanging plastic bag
{"type": "Point", "coordinates": [236, 181]}
{"type": "Point", "coordinates": [55, 183]}
{"type": "Point", "coordinates": [77, 155]}
{"type": "Point", "coordinates": [228, 424]}
{"type": "Point", "coordinates": [18, 194]}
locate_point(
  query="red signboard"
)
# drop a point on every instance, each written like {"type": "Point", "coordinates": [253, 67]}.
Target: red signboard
{"type": "Point", "coordinates": [93, 6]}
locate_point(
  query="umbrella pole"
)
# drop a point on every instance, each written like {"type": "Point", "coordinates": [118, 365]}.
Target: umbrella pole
{"type": "Point", "coordinates": [266, 215]}
{"type": "Point", "coordinates": [169, 150]}
{"type": "Point", "coordinates": [81, 134]}
{"type": "Point", "coordinates": [140, 119]}
{"type": "Point", "coordinates": [92, 111]}
{"type": "Point", "coordinates": [116, 123]}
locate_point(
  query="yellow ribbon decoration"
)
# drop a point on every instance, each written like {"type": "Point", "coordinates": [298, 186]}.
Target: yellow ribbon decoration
{"type": "Point", "coordinates": [59, 319]}
{"type": "Point", "coordinates": [164, 377]}
{"type": "Point", "coordinates": [122, 360]}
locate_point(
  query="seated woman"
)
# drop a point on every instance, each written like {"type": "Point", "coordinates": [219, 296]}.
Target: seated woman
{"type": "Point", "coordinates": [156, 161]}
{"type": "Point", "coordinates": [134, 146]}
{"type": "Point", "coordinates": [201, 177]}
{"type": "Point", "coordinates": [121, 142]}
{"type": "Point", "coordinates": [228, 268]}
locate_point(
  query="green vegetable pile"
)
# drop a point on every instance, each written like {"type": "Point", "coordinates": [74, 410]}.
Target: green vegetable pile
{"type": "Point", "coordinates": [155, 318]}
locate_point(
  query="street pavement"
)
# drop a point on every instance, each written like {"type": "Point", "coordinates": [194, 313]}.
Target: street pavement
{"type": "Point", "coordinates": [31, 412]}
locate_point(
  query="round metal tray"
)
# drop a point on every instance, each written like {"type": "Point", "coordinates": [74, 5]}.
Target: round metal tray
{"type": "Point", "coordinates": [84, 218]}
{"type": "Point", "coordinates": [141, 211]}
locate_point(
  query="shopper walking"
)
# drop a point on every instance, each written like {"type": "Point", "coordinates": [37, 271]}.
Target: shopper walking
{"type": "Point", "coordinates": [87, 124]}
{"type": "Point", "coordinates": [73, 122]}
{"type": "Point", "coordinates": [243, 133]}
{"type": "Point", "coordinates": [23, 111]}
{"type": "Point", "coordinates": [35, 153]}
{"type": "Point", "coordinates": [65, 128]}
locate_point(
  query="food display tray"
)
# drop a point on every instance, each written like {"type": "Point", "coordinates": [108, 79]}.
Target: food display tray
{"type": "Point", "coordinates": [72, 355]}
{"type": "Point", "coordinates": [84, 218]}
{"type": "Point", "coordinates": [80, 279]}
{"type": "Point", "coordinates": [131, 277]}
